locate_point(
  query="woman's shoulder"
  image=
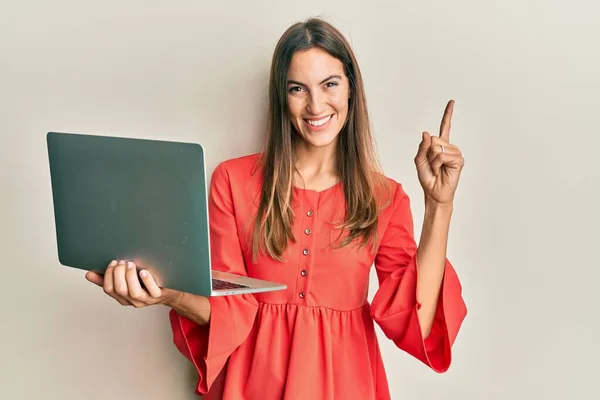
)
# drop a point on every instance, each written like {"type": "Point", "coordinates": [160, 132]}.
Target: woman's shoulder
{"type": "Point", "coordinates": [239, 170]}
{"type": "Point", "coordinates": [388, 190]}
{"type": "Point", "coordinates": [240, 163]}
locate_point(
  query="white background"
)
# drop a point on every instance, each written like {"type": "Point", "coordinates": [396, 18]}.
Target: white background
{"type": "Point", "coordinates": [523, 236]}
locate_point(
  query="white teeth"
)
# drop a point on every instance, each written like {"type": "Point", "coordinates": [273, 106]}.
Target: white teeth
{"type": "Point", "coordinates": [319, 122]}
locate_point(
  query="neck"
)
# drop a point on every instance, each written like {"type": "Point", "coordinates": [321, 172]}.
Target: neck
{"type": "Point", "coordinates": [315, 162]}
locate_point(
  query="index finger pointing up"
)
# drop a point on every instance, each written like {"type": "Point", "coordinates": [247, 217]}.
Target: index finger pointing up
{"type": "Point", "coordinates": [445, 125]}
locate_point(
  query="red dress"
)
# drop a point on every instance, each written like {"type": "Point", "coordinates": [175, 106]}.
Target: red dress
{"type": "Point", "coordinates": [316, 340]}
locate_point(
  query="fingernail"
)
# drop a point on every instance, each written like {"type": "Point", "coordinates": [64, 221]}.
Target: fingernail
{"type": "Point", "coordinates": [143, 273]}
{"type": "Point", "coordinates": [129, 265]}
{"type": "Point", "coordinates": [122, 262]}
{"type": "Point", "coordinates": [113, 263]}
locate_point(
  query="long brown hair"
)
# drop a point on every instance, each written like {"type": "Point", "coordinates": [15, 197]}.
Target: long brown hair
{"type": "Point", "coordinates": [357, 162]}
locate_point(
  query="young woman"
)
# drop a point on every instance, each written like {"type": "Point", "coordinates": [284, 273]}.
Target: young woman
{"type": "Point", "coordinates": [314, 211]}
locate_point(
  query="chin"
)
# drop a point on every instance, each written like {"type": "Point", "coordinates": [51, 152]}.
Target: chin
{"type": "Point", "coordinates": [321, 142]}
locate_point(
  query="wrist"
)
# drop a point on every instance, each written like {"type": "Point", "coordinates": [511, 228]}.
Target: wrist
{"type": "Point", "coordinates": [172, 298]}
{"type": "Point", "coordinates": [437, 207]}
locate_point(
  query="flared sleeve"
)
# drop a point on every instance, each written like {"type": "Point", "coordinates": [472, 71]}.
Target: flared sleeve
{"type": "Point", "coordinates": [394, 306]}
{"type": "Point", "coordinates": [232, 317]}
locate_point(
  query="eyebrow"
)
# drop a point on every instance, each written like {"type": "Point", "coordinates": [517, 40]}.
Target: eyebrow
{"type": "Point", "coordinates": [322, 82]}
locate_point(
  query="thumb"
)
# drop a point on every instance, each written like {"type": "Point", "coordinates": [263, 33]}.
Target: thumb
{"type": "Point", "coordinates": [95, 278]}
{"type": "Point", "coordinates": [424, 146]}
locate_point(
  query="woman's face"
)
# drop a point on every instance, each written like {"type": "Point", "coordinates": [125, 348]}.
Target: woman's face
{"type": "Point", "coordinates": [318, 92]}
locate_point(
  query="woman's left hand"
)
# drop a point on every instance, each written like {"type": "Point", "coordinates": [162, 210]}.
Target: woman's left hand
{"type": "Point", "coordinates": [439, 163]}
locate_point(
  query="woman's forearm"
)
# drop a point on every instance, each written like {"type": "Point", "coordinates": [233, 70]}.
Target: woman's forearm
{"type": "Point", "coordinates": [193, 307]}
{"type": "Point", "coordinates": [431, 261]}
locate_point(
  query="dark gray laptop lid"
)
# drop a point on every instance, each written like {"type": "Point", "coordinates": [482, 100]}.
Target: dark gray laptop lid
{"type": "Point", "coordinates": [135, 199]}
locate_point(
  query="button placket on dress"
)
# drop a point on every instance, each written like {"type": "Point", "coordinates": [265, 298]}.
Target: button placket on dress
{"type": "Point", "coordinates": [306, 243]}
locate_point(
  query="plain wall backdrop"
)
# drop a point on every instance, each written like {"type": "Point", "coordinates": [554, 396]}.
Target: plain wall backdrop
{"type": "Point", "coordinates": [523, 236]}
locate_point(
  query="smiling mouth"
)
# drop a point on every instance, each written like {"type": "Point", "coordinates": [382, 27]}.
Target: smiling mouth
{"type": "Point", "coordinates": [318, 122]}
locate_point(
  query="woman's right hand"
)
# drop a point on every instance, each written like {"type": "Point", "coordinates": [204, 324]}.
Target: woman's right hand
{"type": "Point", "coordinates": [120, 281]}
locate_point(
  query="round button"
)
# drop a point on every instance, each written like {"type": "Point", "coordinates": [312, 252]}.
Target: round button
{"type": "Point", "coordinates": [309, 213]}
{"type": "Point", "coordinates": [303, 273]}
{"type": "Point", "coordinates": [307, 231]}
{"type": "Point", "coordinates": [305, 252]}
{"type": "Point", "coordinates": [301, 294]}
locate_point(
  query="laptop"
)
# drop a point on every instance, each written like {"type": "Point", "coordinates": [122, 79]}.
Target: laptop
{"type": "Point", "coordinates": [139, 200]}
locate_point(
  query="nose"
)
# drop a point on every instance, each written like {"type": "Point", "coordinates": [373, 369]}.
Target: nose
{"type": "Point", "coordinates": [316, 103]}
